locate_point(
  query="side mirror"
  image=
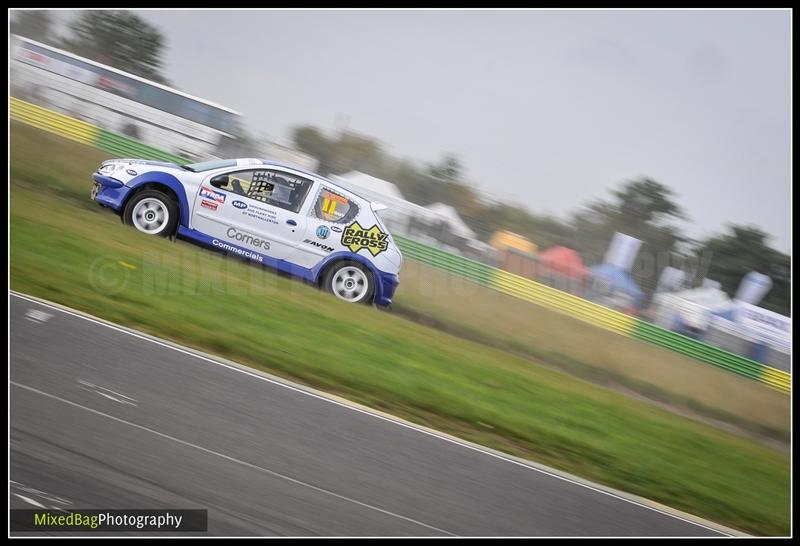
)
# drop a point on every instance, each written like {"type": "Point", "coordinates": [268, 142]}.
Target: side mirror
{"type": "Point", "coordinates": [220, 181]}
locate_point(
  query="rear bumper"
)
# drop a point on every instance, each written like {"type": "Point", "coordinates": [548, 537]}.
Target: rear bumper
{"type": "Point", "coordinates": [386, 285]}
{"type": "Point", "coordinates": [111, 192]}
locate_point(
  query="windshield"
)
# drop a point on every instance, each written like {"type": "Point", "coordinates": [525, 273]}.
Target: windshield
{"type": "Point", "coordinates": [210, 165]}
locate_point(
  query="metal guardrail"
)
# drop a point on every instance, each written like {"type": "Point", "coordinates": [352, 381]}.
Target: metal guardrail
{"type": "Point", "coordinates": [491, 277]}
{"type": "Point", "coordinates": [725, 335]}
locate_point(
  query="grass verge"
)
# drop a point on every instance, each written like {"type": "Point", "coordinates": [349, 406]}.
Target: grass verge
{"type": "Point", "coordinates": [479, 313]}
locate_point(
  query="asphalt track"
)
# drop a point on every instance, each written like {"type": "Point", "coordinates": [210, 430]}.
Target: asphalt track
{"type": "Point", "coordinates": [100, 418]}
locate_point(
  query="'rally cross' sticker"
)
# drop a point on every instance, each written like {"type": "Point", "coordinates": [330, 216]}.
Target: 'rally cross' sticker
{"type": "Point", "coordinates": [373, 239]}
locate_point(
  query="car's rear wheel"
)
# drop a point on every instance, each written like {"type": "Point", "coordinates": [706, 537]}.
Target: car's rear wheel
{"type": "Point", "coordinates": [350, 281]}
{"type": "Point", "coordinates": [152, 212]}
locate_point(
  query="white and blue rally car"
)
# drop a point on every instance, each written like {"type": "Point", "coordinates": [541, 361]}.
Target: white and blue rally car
{"type": "Point", "coordinates": [291, 220]}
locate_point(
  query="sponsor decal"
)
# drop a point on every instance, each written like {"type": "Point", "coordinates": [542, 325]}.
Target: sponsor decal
{"type": "Point", "coordinates": [211, 205]}
{"type": "Point", "coordinates": [104, 82]}
{"type": "Point", "coordinates": [326, 248]}
{"type": "Point", "coordinates": [373, 239]}
{"type": "Point", "coordinates": [260, 213]}
{"type": "Point", "coordinates": [207, 193]}
{"type": "Point", "coordinates": [239, 205]}
{"type": "Point", "coordinates": [323, 232]}
{"type": "Point", "coordinates": [59, 67]}
{"type": "Point", "coordinates": [247, 239]}
{"type": "Point", "coordinates": [767, 325]}
{"type": "Point", "coordinates": [236, 250]}
{"type": "Point", "coordinates": [337, 229]}
{"type": "Point", "coordinates": [131, 172]}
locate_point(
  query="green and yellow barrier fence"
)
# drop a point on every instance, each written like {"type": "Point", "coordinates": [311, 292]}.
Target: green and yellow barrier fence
{"type": "Point", "coordinates": [86, 133]}
{"type": "Point", "coordinates": [463, 267]}
{"type": "Point", "coordinates": [563, 302]}
{"type": "Point", "coordinates": [490, 277]}
{"type": "Point", "coordinates": [128, 147]}
{"type": "Point", "coordinates": [62, 125]}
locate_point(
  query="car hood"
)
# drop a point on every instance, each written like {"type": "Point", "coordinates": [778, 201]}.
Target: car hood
{"type": "Point", "coordinates": [126, 169]}
{"type": "Point", "coordinates": [144, 162]}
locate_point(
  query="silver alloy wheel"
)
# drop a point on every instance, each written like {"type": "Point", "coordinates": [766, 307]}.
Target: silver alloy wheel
{"type": "Point", "coordinates": [150, 215]}
{"type": "Point", "coordinates": [350, 284]}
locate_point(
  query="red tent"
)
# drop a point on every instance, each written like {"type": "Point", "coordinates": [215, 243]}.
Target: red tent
{"type": "Point", "coordinates": [562, 260]}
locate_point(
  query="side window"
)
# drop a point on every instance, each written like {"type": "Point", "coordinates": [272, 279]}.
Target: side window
{"type": "Point", "coordinates": [237, 182]}
{"type": "Point", "coordinates": [332, 206]}
{"type": "Point", "coordinates": [275, 188]}
{"type": "Point", "coordinates": [279, 189]}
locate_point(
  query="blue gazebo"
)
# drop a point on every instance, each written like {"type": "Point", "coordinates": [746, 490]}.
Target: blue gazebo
{"type": "Point", "coordinates": [609, 280]}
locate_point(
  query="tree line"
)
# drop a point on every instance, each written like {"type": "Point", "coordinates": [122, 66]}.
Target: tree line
{"type": "Point", "coordinates": [117, 38]}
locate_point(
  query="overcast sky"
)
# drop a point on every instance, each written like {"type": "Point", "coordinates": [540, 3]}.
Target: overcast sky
{"type": "Point", "coordinates": [549, 109]}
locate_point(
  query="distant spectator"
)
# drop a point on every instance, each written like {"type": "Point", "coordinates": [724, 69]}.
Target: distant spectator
{"type": "Point", "coordinates": [131, 130]}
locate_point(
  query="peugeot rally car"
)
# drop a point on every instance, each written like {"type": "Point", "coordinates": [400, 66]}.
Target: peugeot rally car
{"type": "Point", "coordinates": [278, 216]}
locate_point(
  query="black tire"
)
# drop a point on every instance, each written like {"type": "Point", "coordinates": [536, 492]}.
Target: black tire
{"type": "Point", "coordinates": [344, 267]}
{"type": "Point", "coordinates": [164, 229]}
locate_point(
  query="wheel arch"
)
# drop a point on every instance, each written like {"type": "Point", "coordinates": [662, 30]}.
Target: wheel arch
{"type": "Point", "coordinates": [165, 183]}
{"type": "Point", "coordinates": [322, 269]}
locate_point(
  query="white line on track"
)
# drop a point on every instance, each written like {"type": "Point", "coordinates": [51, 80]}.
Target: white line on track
{"type": "Point", "coordinates": [227, 458]}
{"type": "Point", "coordinates": [35, 315]}
{"type": "Point", "coordinates": [38, 493]}
{"type": "Point", "coordinates": [710, 526]}
{"type": "Point", "coordinates": [102, 391]}
{"type": "Point", "coordinates": [29, 500]}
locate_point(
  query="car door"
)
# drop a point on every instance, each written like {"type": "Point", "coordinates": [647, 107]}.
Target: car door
{"type": "Point", "coordinates": [254, 208]}
{"type": "Point", "coordinates": [330, 210]}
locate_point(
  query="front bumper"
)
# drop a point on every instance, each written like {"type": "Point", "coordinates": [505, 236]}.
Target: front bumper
{"type": "Point", "coordinates": [109, 192]}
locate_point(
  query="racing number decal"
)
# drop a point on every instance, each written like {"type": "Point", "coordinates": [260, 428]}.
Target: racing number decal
{"type": "Point", "coordinates": [328, 206]}
{"type": "Point", "coordinates": [329, 201]}
{"type": "Point", "coordinates": [373, 239]}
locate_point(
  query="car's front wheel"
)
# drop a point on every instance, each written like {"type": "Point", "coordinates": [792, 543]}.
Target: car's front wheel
{"type": "Point", "coordinates": [350, 281]}
{"type": "Point", "coordinates": [152, 212]}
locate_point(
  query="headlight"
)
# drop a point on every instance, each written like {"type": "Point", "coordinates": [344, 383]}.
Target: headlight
{"type": "Point", "coordinates": [109, 168]}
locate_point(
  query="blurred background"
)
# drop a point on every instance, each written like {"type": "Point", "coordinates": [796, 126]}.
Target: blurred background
{"type": "Point", "coordinates": [609, 159]}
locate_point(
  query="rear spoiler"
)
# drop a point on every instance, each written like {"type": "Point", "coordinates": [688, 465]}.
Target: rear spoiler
{"type": "Point", "coordinates": [377, 207]}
